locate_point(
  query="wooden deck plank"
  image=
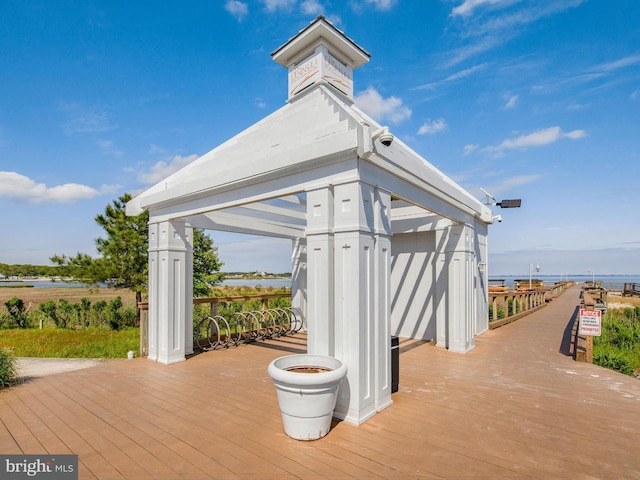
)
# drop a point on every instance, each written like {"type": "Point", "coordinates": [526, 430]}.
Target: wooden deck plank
{"type": "Point", "coordinates": [516, 406]}
{"type": "Point", "coordinates": [88, 457]}
{"type": "Point", "coordinates": [24, 439]}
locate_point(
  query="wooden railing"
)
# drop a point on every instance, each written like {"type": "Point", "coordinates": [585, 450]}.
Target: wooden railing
{"type": "Point", "coordinates": [631, 290]}
{"type": "Point", "coordinates": [507, 307]}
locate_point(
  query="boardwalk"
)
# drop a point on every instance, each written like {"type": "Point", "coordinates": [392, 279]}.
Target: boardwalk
{"type": "Point", "coordinates": [515, 407]}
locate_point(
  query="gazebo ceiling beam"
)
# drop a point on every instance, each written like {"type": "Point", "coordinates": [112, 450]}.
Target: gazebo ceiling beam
{"type": "Point", "coordinates": [268, 208]}
{"type": "Point", "coordinates": [436, 196]}
{"type": "Point", "coordinates": [254, 190]}
{"type": "Point", "coordinates": [228, 222]}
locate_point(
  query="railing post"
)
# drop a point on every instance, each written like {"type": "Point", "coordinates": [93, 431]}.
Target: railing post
{"type": "Point", "coordinates": [144, 331]}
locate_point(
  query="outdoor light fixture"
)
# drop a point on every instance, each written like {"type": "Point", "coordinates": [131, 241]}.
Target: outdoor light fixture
{"type": "Point", "coordinates": [490, 200]}
{"type": "Point", "coordinates": [514, 203]}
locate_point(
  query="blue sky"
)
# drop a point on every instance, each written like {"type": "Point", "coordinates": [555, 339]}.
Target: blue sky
{"type": "Point", "coordinates": [537, 99]}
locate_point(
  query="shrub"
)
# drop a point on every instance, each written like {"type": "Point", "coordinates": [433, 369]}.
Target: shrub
{"type": "Point", "coordinates": [18, 312]}
{"type": "Point", "coordinates": [613, 361]}
{"type": "Point", "coordinates": [618, 348]}
{"type": "Point", "coordinates": [8, 371]}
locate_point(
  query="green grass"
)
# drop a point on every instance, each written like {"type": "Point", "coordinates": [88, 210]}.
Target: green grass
{"type": "Point", "coordinates": [619, 346]}
{"type": "Point", "coordinates": [64, 343]}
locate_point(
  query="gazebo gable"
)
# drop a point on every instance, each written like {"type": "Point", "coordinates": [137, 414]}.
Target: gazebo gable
{"type": "Point", "coordinates": [310, 134]}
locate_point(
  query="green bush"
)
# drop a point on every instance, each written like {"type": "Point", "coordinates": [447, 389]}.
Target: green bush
{"type": "Point", "coordinates": [614, 361]}
{"type": "Point", "coordinates": [618, 348]}
{"type": "Point", "coordinates": [8, 372]}
{"type": "Point", "coordinates": [18, 312]}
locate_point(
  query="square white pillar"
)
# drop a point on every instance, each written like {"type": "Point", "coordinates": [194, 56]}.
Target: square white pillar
{"type": "Point", "coordinates": [348, 280]}
{"type": "Point", "coordinates": [170, 294]}
{"type": "Point", "coordinates": [362, 308]}
{"type": "Point", "coordinates": [460, 268]}
{"type": "Point", "coordinates": [441, 288]}
{"type": "Point", "coordinates": [382, 298]}
{"type": "Point", "coordinates": [320, 272]}
{"type": "Point", "coordinates": [299, 276]}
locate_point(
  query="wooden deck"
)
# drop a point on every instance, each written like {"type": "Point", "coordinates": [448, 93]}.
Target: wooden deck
{"type": "Point", "coordinates": [517, 406]}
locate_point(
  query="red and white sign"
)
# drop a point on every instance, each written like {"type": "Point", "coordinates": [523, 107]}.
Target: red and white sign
{"type": "Point", "coordinates": [590, 322]}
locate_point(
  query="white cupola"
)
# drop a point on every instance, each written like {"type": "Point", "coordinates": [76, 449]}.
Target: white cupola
{"type": "Point", "coordinates": [320, 54]}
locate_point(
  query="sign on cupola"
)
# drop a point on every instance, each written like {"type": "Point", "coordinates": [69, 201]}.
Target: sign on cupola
{"type": "Point", "coordinates": [320, 54]}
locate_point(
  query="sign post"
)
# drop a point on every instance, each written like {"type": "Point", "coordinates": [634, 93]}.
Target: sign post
{"type": "Point", "coordinates": [590, 322]}
{"type": "Point", "coordinates": [590, 326]}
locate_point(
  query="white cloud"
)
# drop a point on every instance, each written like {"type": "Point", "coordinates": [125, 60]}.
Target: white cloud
{"type": "Point", "coordinates": [453, 77]}
{"type": "Point", "coordinates": [108, 148]}
{"type": "Point", "coordinates": [618, 64]}
{"type": "Point", "coordinates": [483, 32]}
{"type": "Point", "coordinates": [511, 102]}
{"type": "Point", "coordinates": [431, 127]}
{"type": "Point", "coordinates": [85, 119]}
{"type": "Point", "coordinates": [391, 108]}
{"type": "Point", "coordinates": [273, 5]}
{"type": "Point", "coordinates": [382, 5]}
{"type": "Point", "coordinates": [311, 7]}
{"type": "Point", "coordinates": [468, 6]}
{"type": "Point", "coordinates": [575, 134]}
{"type": "Point", "coordinates": [260, 103]}
{"type": "Point", "coordinates": [516, 181]}
{"type": "Point", "coordinates": [536, 139]}
{"type": "Point", "coordinates": [635, 95]}
{"type": "Point", "coordinates": [163, 168]}
{"type": "Point", "coordinates": [468, 149]}
{"type": "Point", "coordinates": [23, 189]}
{"type": "Point", "coordinates": [237, 9]}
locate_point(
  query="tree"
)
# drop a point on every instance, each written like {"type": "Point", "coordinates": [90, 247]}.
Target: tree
{"type": "Point", "coordinates": [124, 254]}
{"type": "Point", "coordinates": [206, 265]}
{"type": "Point", "coordinates": [123, 263]}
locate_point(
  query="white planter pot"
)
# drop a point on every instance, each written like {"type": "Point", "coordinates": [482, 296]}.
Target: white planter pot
{"type": "Point", "coordinates": [307, 400]}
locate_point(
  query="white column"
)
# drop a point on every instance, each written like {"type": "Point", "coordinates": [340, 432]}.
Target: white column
{"type": "Point", "coordinates": [169, 265]}
{"type": "Point", "coordinates": [482, 280]}
{"type": "Point", "coordinates": [460, 264]}
{"type": "Point", "coordinates": [355, 300]}
{"type": "Point", "coordinates": [320, 272]}
{"type": "Point", "coordinates": [188, 294]}
{"type": "Point", "coordinates": [299, 276]}
{"type": "Point", "coordinates": [441, 287]}
{"type": "Point", "coordinates": [382, 293]}
{"type": "Point", "coordinates": [153, 287]}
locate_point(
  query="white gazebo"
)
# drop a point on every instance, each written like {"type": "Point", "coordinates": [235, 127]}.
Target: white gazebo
{"type": "Point", "coordinates": [383, 243]}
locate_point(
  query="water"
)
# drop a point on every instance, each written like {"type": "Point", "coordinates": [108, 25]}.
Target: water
{"type": "Point", "coordinates": [264, 282]}
{"type": "Point", "coordinates": [286, 282]}
{"type": "Point", "coordinates": [509, 280]}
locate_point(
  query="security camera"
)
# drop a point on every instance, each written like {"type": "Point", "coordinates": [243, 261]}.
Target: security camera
{"type": "Point", "coordinates": [498, 218]}
{"type": "Point", "coordinates": [384, 136]}
{"type": "Point", "coordinates": [386, 139]}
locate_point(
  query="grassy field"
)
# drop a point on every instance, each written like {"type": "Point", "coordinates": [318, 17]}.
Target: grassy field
{"type": "Point", "coordinates": [65, 343]}
{"type": "Point", "coordinates": [34, 296]}
{"type": "Point", "coordinates": [88, 342]}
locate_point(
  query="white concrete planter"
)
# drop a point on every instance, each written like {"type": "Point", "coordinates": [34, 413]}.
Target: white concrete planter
{"type": "Point", "coordinates": [307, 400]}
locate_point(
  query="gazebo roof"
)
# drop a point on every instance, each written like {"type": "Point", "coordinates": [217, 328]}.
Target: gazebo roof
{"type": "Point", "coordinates": [320, 31]}
{"type": "Point", "coordinates": [256, 181]}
